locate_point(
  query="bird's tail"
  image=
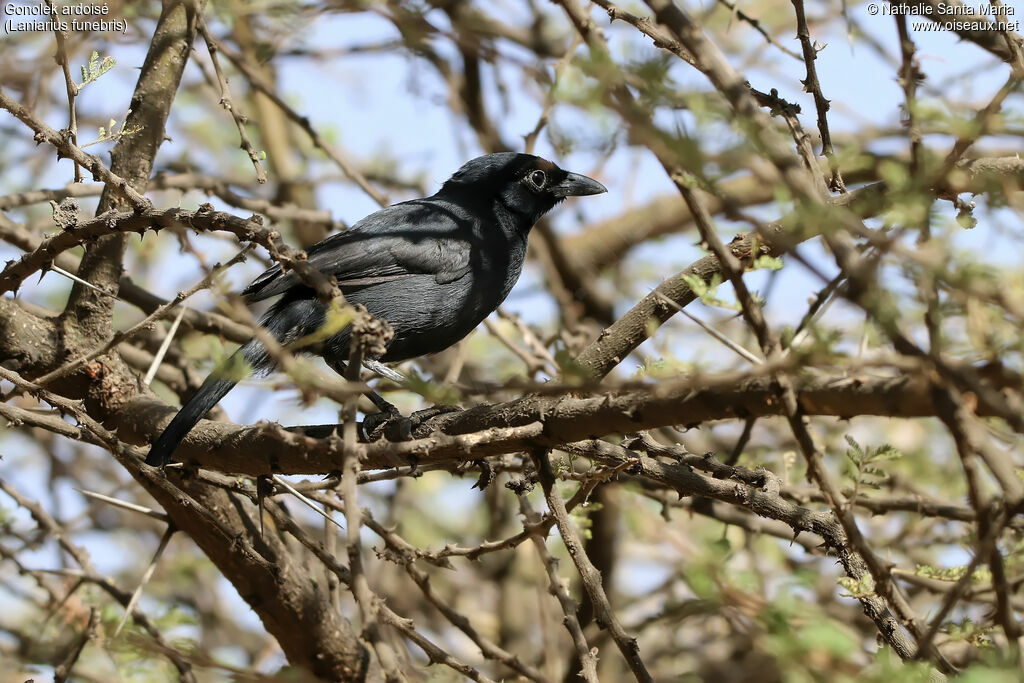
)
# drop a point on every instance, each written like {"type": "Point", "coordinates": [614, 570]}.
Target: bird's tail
{"type": "Point", "coordinates": [214, 388]}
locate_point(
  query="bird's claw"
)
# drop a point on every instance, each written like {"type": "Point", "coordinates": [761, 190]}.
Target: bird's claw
{"type": "Point", "coordinates": [374, 425]}
{"type": "Point", "coordinates": [396, 427]}
{"type": "Point", "coordinates": [422, 416]}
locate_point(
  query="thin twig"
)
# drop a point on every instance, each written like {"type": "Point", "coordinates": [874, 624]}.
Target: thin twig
{"type": "Point", "coordinates": [530, 139]}
{"type": "Point", "coordinates": [156, 315]}
{"type": "Point", "coordinates": [586, 654]}
{"type": "Point", "coordinates": [146, 576]}
{"type": "Point", "coordinates": [63, 671]}
{"type": "Point", "coordinates": [228, 104]}
{"type": "Point", "coordinates": [728, 343]}
{"type": "Point", "coordinates": [811, 85]}
{"type": "Point", "coordinates": [64, 145]}
{"type": "Point", "coordinates": [489, 649]}
{"type": "Point", "coordinates": [589, 575]}
{"type": "Point", "coordinates": [756, 25]}
{"type": "Point", "coordinates": [303, 122]}
{"type": "Point", "coordinates": [61, 57]}
{"type": "Point", "coordinates": [352, 452]}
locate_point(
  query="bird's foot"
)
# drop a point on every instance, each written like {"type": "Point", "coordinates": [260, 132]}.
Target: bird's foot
{"type": "Point", "coordinates": [421, 417]}
{"type": "Point", "coordinates": [394, 426]}
{"type": "Point", "coordinates": [384, 423]}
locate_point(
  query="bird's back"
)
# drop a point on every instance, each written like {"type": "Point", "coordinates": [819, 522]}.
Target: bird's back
{"type": "Point", "coordinates": [434, 268]}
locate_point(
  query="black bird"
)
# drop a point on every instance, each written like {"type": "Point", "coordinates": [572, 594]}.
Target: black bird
{"type": "Point", "coordinates": [433, 268]}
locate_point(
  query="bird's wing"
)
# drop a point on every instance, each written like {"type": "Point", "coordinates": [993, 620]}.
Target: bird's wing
{"type": "Point", "coordinates": [395, 243]}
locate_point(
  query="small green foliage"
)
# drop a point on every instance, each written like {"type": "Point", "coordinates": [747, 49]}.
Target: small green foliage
{"type": "Point", "coordinates": [766, 262]}
{"type": "Point", "coordinates": [655, 73]}
{"type": "Point", "coordinates": [705, 291]}
{"type": "Point", "coordinates": [970, 631]}
{"type": "Point", "coordinates": [581, 514]}
{"type": "Point", "coordinates": [175, 617]}
{"type": "Point", "coordinates": [862, 588]}
{"type": "Point", "coordinates": [864, 462]}
{"type": "Point", "coordinates": [96, 68]}
{"type": "Point", "coordinates": [909, 208]}
{"type": "Point", "coordinates": [787, 335]}
{"type": "Point", "coordinates": [887, 666]}
{"type": "Point", "coordinates": [433, 392]}
{"type": "Point", "coordinates": [562, 466]}
{"type": "Point", "coordinates": [981, 575]}
{"type": "Point", "coordinates": [895, 174]}
{"type": "Point", "coordinates": [651, 325]}
{"type": "Point", "coordinates": [702, 579]}
{"type": "Point", "coordinates": [940, 573]}
{"type": "Point", "coordinates": [965, 216]}
{"type": "Point", "coordinates": [236, 369]}
{"type": "Point", "coordinates": [112, 133]}
{"type": "Point", "coordinates": [971, 127]}
{"type": "Point", "coordinates": [852, 158]}
{"type": "Point", "coordinates": [572, 371]}
{"type": "Point", "coordinates": [659, 368]}
{"type": "Point", "coordinates": [339, 316]}
{"type": "Point", "coordinates": [803, 640]}
{"type": "Point", "coordinates": [577, 86]}
{"type": "Point", "coordinates": [968, 271]}
{"type": "Point", "coordinates": [995, 664]}
{"type": "Point", "coordinates": [110, 616]}
{"type": "Point", "coordinates": [830, 637]}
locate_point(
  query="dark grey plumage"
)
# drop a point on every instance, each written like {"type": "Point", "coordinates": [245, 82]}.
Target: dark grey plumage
{"type": "Point", "coordinates": [434, 268]}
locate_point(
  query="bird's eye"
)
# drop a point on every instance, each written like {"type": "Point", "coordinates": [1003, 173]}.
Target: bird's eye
{"type": "Point", "coordinates": [537, 179]}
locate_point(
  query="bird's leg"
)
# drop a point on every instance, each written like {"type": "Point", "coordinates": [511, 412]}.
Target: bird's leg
{"type": "Point", "coordinates": [389, 420]}
{"type": "Point", "coordinates": [397, 427]}
{"type": "Point", "coordinates": [421, 416]}
{"type": "Point", "coordinates": [341, 367]}
{"type": "Point", "coordinates": [383, 405]}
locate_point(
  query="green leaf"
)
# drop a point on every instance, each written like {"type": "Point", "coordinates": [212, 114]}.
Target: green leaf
{"type": "Point", "coordinates": [766, 262]}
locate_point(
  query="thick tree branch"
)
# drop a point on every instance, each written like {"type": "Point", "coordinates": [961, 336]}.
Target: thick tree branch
{"type": "Point", "coordinates": [537, 421]}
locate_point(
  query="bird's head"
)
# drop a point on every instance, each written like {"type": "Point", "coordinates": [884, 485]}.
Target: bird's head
{"type": "Point", "coordinates": [526, 185]}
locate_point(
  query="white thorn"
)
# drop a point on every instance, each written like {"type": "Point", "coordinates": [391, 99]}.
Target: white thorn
{"type": "Point", "coordinates": [162, 351]}
{"type": "Point", "coordinates": [306, 501]}
{"type": "Point", "coordinates": [146, 576]}
{"type": "Point", "coordinates": [72, 276]}
{"type": "Point", "coordinates": [132, 507]}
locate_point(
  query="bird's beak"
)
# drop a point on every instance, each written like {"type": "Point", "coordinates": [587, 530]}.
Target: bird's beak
{"type": "Point", "coordinates": [576, 185]}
